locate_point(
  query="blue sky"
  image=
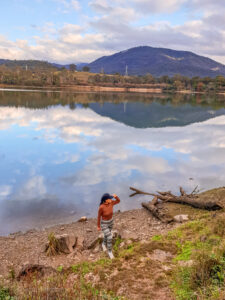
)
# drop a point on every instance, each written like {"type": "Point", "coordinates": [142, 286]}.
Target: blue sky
{"type": "Point", "coordinates": [66, 31]}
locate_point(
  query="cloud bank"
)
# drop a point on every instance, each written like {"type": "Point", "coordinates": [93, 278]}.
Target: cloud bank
{"type": "Point", "coordinates": [108, 27]}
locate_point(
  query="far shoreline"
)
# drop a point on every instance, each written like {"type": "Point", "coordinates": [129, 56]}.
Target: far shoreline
{"type": "Point", "coordinates": [100, 89]}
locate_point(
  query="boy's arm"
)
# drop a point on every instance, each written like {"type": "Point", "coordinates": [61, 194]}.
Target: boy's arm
{"type": "Point", "coordinates": [99, 216]}
{"type": "Point", "coordinates": [117, 199]}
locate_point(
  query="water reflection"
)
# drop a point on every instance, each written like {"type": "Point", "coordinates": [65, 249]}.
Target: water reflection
{"type": "Point", "coordinates": [57, 160]}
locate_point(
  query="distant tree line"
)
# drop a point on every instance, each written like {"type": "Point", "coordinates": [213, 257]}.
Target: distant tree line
{"type": "Point", "coordinates": [175, 83]}
{"type": "Point", "coordinates": [48, 75]}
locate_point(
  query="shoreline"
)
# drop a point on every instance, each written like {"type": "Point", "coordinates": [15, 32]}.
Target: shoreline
{"type": "Point", "coordinates": [88, 88]}
{"type": "Point", "coordinates": [102, 89]}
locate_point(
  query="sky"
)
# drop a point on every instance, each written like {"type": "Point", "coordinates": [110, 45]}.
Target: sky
{"type": "Point", "coordinates": [73, 31]}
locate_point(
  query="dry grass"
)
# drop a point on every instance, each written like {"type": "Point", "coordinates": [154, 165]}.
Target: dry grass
{"type": "Point", "coordinates": [53, 247]}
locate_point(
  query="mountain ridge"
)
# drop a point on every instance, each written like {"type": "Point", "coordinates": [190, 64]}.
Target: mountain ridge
{"type": "Point", "coordinates": [158, 62]}
{"type": "Point", "coordinates": [139, 61]}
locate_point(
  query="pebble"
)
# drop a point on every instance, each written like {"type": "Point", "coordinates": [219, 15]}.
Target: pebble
{"type": "Point", "coordinates": [82, 219]}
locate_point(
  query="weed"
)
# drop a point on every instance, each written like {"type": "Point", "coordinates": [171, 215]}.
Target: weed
{"type": "Point", "coordinates": [116, 244]}
{"type": "Point", "coordinates": [5, 294]}
{"type": "Point", "coordinates": [219, 226]}
{"type": "Point", "coordinates": [207, 270]}
{"type": "Point", "coordinates": [60, 269]}
{"type": "Point", "coordinates": [181, 284]}
{"type": "Point", "coordinates": [82, 268]}
{"type": "Point", "coordinates": [157, 238]}
{"type": "Point", "coordinates": [12, 274]}
{"type": "Point", "coordinates": [53, 247]}
{"type": "Point", "coordinates": [185, 251]}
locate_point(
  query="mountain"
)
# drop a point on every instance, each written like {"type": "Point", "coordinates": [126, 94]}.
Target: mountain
{"type": "Point", "coordinates": [158, 62]}
{"type": "Point", "coordinates": [155, 114]}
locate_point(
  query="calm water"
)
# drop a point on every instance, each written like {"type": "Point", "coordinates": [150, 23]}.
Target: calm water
{"type": "Point", "coordinates": [60, 152]}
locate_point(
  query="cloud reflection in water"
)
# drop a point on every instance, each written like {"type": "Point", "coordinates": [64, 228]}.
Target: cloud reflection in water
{"type": "Point", "coordinates": [56, 163]}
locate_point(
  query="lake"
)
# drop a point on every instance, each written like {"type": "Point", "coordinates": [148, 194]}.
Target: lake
{"type": "Point", "coordinates": [60, 151]}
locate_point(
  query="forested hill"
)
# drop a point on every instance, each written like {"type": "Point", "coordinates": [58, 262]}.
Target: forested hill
{"type": "Point", "coordinates": [157, 62]}
{"type": "Point", "coordinates": [30, 64]}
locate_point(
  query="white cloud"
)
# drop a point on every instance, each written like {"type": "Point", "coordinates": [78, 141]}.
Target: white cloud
{"type": "Point", "coordinates": [68, 5]}
{"type": "Point", "coordinates": [157, 7]}
{"type": "Point", "coordinates": [5, 191]}
{"type": "Point", "coordinates": [34, 188]}
{"type": "Point", "coordinates": [75, 4]}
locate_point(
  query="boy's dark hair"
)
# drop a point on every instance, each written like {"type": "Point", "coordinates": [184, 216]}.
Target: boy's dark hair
{"type": "Point", "coordinates": [105, 197]}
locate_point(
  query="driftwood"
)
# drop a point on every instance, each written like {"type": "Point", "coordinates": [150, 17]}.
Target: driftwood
{"type": "Point", "coordinates": [186, 199]}
{"type": "Point", "coordinates": [192, 199]}
{"type": "Point", "coordinates": [156, 211]}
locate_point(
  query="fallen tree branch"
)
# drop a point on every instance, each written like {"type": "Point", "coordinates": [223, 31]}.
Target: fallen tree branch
{"type": "Point", "coordinates": [159, 214]}
{"type": "Point", "coordinates": [139, 192]}
{"type": "Point", "coordinates": [185, 199]}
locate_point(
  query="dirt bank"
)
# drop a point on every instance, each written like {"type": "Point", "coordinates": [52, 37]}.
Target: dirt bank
{"type": "Point", "coordinates": [19, 249]}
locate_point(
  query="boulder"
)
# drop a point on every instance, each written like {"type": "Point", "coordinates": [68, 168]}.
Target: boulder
{"type": "Point", "coordinates": [181, 218]}
{"type": "Point", "coordinates": [127, 234]}
{"type": "Point", "coordinates": [90, 244]}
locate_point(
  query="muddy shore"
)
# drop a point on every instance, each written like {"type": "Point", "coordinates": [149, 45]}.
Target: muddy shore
{"type": "Point", "coordinates": [19, 249]}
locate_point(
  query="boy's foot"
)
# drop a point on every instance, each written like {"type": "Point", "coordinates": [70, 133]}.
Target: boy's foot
{"type": "Point", "coordinates": [110, 254]}
{"type": "Point", "coordinates": [104, 247]}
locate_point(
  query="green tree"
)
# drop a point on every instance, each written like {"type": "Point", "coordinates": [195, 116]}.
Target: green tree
{"type": "Point", "coordinates": [85, 69]}
{"type": "Point", "coordinates": [72, 67]}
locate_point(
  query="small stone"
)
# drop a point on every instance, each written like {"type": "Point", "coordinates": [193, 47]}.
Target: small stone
{"type": "Point", "coordinates": [203, 238]}
{"type": "Point", "coordinates": [161, 255]}
{"type": "Point", "coordinates": [129, 242]}
{"type": "Point", "coordinates": [89, 230]}
{"type": "Point", "coordinates": [96, 250]}
{"type": "Point", "coordinates": [181, 218]}
{"type": "Point", "coordinates": [122, 245]}
{"type": "Point", "coordinates": [186, 263]}
{"type": "Point", "coordinates": [62, 228]}
{"type": "Point", "coordinates": [82, 219]}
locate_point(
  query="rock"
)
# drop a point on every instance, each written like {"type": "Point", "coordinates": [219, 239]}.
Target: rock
{"type": "Point", "coordinates": [90, 244]}
{"type": "Point", "coordinates": [126, 234]}
{"type": "Point", "coordinates": [203, 238]}
{"type": "Point", "coordinates": [115, 234]}
{"type": "Point", "coordinates": [80, 243]}
{"type": "Point", "coordinates": [129, 242]}
{"type": "Point", "coordinates": [89, 230]}
{"type": "Point", "coordinates": [82, 219]}
{"type": "Point", "coordinates": [96, 250]}
{"type": "Point", "coordinates": [186, 263]}
{"type": "Point", "coordinates": [65, 243]}
{"type": "Point", "coordinates": [161, 255]}
{"type": "Point", "coordinates": [122, 245]}
{"type": "Point", "coordinates": [181, 218]}
{"type": "Point", "coordinates": [166, 268]}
